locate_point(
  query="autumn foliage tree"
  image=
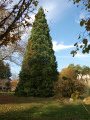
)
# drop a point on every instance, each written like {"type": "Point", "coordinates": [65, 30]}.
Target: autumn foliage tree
{"type": "Point", "coordinates": [85, 37]}
{"type": "Point", "coordinates": [80, 71]}
{"type": "Point", "coordinates": [68, 73]}
{"type": "Point", "coordinates": [13, 21]}
{"type": "Point", "coordinates": [14, 83]}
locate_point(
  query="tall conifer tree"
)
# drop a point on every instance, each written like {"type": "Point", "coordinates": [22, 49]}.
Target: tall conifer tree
{"type": "Point", "coordinates": [39, 66]}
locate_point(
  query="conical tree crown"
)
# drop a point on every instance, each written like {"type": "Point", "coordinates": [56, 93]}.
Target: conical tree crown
{"type": "Point", "coordinates": [39, 67]}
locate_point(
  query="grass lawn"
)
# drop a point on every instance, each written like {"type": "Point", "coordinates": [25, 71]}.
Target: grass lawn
{"type": "Point", "coordinates": [31, 108]}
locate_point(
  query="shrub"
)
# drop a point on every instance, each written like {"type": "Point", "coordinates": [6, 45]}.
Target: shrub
{"type": "Point", "coordinates": [65, 88]}
{"type": "Point", "coordinates": [68, 84]}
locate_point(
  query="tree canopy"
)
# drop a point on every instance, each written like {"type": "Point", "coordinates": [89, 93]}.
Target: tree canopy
{"type": "Point", "coordinates": [68, 73]}
{"type": "Point", "coordinates": [85, 36]}
{"type": "Point", "coordinates": [39, 66]}
{"type": "Point", "coordinates": [5, 72]}
{"type": "Point", "coordinates": [80, 70]}
{"type": "Point", "coordinates": [14, 20]}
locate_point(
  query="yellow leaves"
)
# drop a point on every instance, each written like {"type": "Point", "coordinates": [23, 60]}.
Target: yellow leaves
{"type": "Point", "coordinates": [8, 24]}
{"type": "Point", "coordinates": [10, 18]}
{"type": "Point", "coordinates": [68, 73]}
{"type": "Point", "coordinates": [14, 83]}
{"type": "Point", "coordinates": [35, 3]}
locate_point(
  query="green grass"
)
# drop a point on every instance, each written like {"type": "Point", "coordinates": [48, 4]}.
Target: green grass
{"type": "Point", "coordinates": [31, 108]}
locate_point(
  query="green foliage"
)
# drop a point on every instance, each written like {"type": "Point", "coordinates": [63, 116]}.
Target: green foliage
{"type": "Point", "coordinates": [39, 66]}
{"type": "Point", "coordinates": [84, 70]}
{"type": "Point", "coordinates": [7, 71]}
{"type": "Point", "coordinates": [68, 84]}
{"type": "Point", "coordinates": [2, 69]}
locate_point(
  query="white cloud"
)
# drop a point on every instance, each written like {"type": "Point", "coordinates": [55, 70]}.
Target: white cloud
{"type": "Point", "coordinates": [80, 55]}
{"type": "Point", "coordinates": [82, 15]}
{"type": "Point", "coordinates": [55, 8]}
{"type": "Point", "coordinates": [60, 46]}
{"type": "Point", "coordinates": [64, 56]}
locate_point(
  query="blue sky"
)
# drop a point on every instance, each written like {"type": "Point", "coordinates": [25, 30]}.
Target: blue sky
{"type": "Point", "coordinates": [63, 19]}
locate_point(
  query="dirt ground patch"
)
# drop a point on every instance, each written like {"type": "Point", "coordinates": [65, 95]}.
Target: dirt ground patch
{"type": "Point", "coordinates": [6, 99]}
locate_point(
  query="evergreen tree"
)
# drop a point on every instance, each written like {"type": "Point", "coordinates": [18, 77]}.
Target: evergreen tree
{"type": "Point", "coordinates": [39, 66]}
{"type": "Point", "coordinates": [5, 72]}
{"type": "Point", "coordinates": [2, 70]}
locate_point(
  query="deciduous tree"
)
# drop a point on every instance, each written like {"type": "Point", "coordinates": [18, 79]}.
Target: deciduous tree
{"type": "Point", "coordinates": [68, 73]}
{"type": "Point", "coordinates": [85, 37]}
{"type": "Point", "coordinates": [14, 19]}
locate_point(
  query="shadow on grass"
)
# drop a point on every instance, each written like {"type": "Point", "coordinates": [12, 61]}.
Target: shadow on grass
{"type": "Point", "coordinates": [11, 99]}
{"type": "Point", "coordinates": [64, 112]}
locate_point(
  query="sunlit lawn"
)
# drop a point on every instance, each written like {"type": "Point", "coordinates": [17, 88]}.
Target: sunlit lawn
{"type": "Point", "coordinates": [30, 108]}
